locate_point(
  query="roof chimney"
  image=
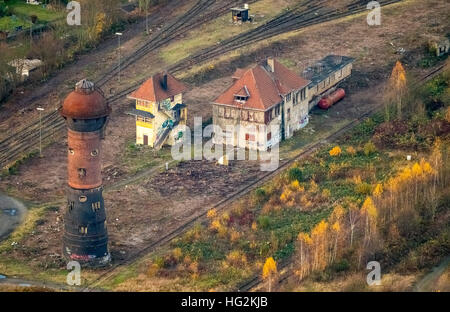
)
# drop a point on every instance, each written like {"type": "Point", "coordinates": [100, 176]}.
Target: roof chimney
{"type": "Point", "coordinates": [271, 64]}
{"type": "Point", "coordinates": [164, 81]}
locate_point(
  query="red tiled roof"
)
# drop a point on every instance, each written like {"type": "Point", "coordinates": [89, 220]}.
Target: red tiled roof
{"type": "Point", "coordinates": [265, 87]}
{"type": "Point", "coordinates": [238, 73]}
{"type": "Point", "coordinates": [152, 89]}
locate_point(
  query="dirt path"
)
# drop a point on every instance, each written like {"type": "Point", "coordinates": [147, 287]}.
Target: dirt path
{"type": "Point", "coordinates": [428, 281]}
{"type": "Point", "coordinates": [12, 213]}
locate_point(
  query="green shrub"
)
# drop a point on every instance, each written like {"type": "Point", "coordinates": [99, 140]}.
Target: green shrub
{"type": "Point", "coordinates": [260, 195]}
{"type": "Point", "coordinates": [295, 174]}
{"type": "Point", "coordinates": [369, 148]}
{"type": "Point", "coordinates": [264, 222]}
{"type": "Point", "coordinates": [363, 188]}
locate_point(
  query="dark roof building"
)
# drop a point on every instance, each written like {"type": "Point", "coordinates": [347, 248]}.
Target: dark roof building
{"type": "Point", "coordinates": [325, 67]}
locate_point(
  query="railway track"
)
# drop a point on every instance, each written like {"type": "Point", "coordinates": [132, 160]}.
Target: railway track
{"type": "Point", "coordinates": [306, 13]}
{"type": "Point", "coordinates": [22, 142]}
{"type": "Point", "coordinates": [223, 204]}
{"type": "Point", "coordinates": [195, 16]}
{"type": "Point", "coordinates": [256, 281]}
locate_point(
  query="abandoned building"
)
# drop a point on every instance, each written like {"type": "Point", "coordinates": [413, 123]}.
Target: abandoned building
{"type": "Point", "coordinates": [159, 109]}
{"type": "Point", "coordinates": [439, 46]}
{"type": "Point", "coordinates": [241, 14]}
{"type": "Point", "coordinates": [326, 75]}
{"type": "Point", "coordinates": [266, 95]}
{"type": "Point", "coordinates": [85, 239]}
{"type": "Point", "coordinates": [26, 68]}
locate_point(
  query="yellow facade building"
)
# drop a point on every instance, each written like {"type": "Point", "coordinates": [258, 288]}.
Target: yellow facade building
{"type": "Point", "coordinates": [159, 110]}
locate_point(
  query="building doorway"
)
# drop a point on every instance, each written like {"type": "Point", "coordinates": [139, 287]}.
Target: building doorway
{"type": "Point", "coordinates": [146, 140]}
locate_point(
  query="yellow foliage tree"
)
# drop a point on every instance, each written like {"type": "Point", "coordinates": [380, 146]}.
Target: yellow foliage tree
{"type": "Point", "coordinates": [396, 87]}
{"type": "Point", "coordinates": [335, 151]}
{"type": "Point", "coordinates": [269, 271]}
{"type": "Point", "coordinates": [378, 190]}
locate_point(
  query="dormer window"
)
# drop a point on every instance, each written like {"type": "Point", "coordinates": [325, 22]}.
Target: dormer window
{"type": "Point", "coordinates": [242, 96]}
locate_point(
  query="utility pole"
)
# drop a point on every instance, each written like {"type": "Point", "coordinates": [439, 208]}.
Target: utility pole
{"type": "Point", "coordinates": [40, 109]}
{"type": "Point", "coordinates": [119, 34]}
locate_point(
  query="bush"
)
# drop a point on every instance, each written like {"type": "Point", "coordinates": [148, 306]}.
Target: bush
{"type": "Point", "coordinates": [260, 195]}
{"type": "Point", "coordinates": [335, 151]}
{"type": "Point", "coordinates": [363, 188]}
{"type": "Point", "coordinates": [264, 222]}
{"type": "Point", "coordinates": [295, 174]}
{"type": "Point", "coordinates": [369, 148]}
{"type": "Point", "coordinates": [341, 266]}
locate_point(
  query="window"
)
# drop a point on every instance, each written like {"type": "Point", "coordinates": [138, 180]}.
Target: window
{"type": "Point", "coordinates": [244, 115]}
{"type": "Point", "coordinates": [227, 113]}
{"type": "Point", "coordinates": [83, 199]}
{"type": "Point", "coordinates": [94, 153]}
{"type": "Point", "coordinates": [71, 151]}
{"type": "Point", "coordinates": [288, 114]}
{"type": "Point", "coordinates": [96, 206]}
{"type": "Point", "coordinates": [303, 94]}
{"type": "Point", "coordinates": [221, 111]}
{"type": "Point", "coordinates": [288, 97]}
{"type": "Point", "coordinates": [269, 136]}
{"type": "Point", "coordinates": [81, 172]}
{"type": "Point", "coordinates": [277, 110]}
{"type": "Point", "coordinates": [83, 229]}
{"type": "Point", "coordinates": [70, 205]}
{"type": "Point", "coordinates": [172, 98]}
{"type": "Point", "coordinates": [139, 118]}
{"type": "Point", "coordinates": [251, 116]}
{"type": "Point", "coordinates": [249, 137]}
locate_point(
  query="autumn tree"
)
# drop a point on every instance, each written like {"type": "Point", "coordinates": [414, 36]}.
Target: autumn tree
{"type": "Point", "coordinates": [269, 271]}
{"type": "Point", "coordinates": [396, 90]}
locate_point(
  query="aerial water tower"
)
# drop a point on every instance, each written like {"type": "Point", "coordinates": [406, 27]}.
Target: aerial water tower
{"type": "Point", "coordinates": [85, 234]}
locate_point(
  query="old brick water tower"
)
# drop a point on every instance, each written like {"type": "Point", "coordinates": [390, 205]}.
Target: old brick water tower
{"type": "Point", "coordinates": [85, 235]}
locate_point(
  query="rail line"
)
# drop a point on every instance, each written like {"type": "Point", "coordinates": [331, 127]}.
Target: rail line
{"type": "Point", "coordinates": [223, 204]}
{"type": "Point", "coordinates": [18, 144]}
{"type": "Point", "coordinates": [306, 13]}
{"type": "Point", "coordinates": [256, 281]}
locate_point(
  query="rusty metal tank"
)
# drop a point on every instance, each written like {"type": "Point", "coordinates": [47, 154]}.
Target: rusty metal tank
{"type": "Point", "coordinates": [329, 100]}
{"type": "Point", "coordinates": [85, 234]}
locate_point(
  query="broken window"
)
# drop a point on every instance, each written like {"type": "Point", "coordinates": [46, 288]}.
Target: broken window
{"type": "Point", "coordinates": [71, 151]}
{"type": "Point", "coordinates": [96, 206]}
{"type": "Point", "coordinates": [288, 97]}
{"type": "Point", "coordinates": [81, 172]}
{"type": "Point", "coordinates": [249, 137]}
{"type": "Point", "coordinates": [83, 199]}
{"type": "Point", "coordinates": [94, 153]}
{"type": "Point", "coordinates": [251, 116]}
{"type": "Point", "coordinates": [83, 229]}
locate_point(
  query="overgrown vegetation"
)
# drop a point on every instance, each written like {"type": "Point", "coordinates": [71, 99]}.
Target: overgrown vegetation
{"type": "Point", "coordinates": [329, 213]}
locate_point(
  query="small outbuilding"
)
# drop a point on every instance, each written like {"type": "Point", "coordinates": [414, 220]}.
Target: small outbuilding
{"type": "Point", "coordinates": [241, 14]}
{"type": "Point", "coordinates": [440, 46]}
